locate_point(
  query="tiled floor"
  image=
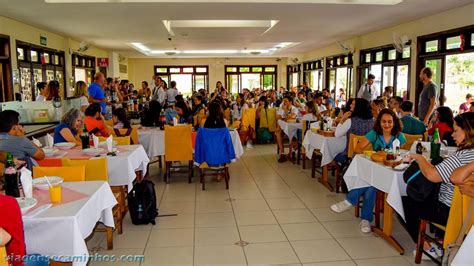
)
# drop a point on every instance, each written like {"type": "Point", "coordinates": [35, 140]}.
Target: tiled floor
{"type": "Point", "coordinates": [272, 214]}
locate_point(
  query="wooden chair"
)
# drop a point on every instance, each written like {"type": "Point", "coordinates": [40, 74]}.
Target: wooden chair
{"type": "Point", "coordinates": [68, 173]}
{"type": "Point", "coordinates": [178, 147]}
{"type": "Point", "coordinates": [50, 162]}
{"type": "Point", "coordinates": [306, 125]}
{"type": "Point", "coordinates": [457, 215]}
{"type": "Point", "coordinates": [271, 114]}
{"type": "Point", "coordinates": [120, 140]}
{"type": "Point", "coordinates": [410, 140]}
{"type": "Point", "coordinates": [96, 170]}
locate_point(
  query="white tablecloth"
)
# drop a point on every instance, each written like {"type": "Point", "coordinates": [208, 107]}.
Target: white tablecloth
{"type": "Point", "coordinates": [329, 146]}
{"type": "Point", "coordinates": [464, 256]}
{"type": "Point", "coordinates": [363, 172]}
{"type": "Point", "coordinates": [61, 230]}
{"type": "Point", "coordinates": [289, 128]}
{"type": "Point", "coordinates": [153, 141]}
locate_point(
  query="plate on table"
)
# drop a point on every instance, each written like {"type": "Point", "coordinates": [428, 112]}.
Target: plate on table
{"type": "Point", "coordinates": [401, 167]}
{"type": "Point", "coordinates": [50, 151]}
{"type": "Point", "coordinates": [26, 203]}
{"type": "Point", "coordinates": [92, 151]}
{"type": "Point", "coordinates": [64, 145]}
{"type": "Point", "coordinates": [41, 183]}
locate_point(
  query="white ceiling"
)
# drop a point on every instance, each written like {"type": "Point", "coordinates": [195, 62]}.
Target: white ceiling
{"type": "Point", "coordinates": [114, 26]}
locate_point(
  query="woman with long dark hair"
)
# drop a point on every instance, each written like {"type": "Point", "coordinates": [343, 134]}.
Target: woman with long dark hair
{"type": "Point", "coordinates": [53, 87]}
{"type": "Point", "coordinates": [215, 119]}
{"type": "Point", "coordinates": [443, 122]}
{"type": "Point", "coordinates": [119, 118]}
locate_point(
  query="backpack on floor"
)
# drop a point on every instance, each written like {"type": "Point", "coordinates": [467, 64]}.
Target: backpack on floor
{"type": "Point", "coordinates": [142, 203]}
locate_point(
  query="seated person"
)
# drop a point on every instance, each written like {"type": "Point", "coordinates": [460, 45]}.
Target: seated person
{"type": "Point", "coordinates": [13, 140]}
{"type": "Point", "coordinates": [215, 118]}
{"type": "Point", "coordinates": [411, 125]}
{"type": "Point", "coordinates": [377, 106]}
{"type": "Point", "coordinates": [184, 114]}
{"type": "Point", "coordinates": [67, 130]}
{"type": "Point", "coordinates": [464, 178]}
{"type": "Point", "coordinates": [394, 103]}
{"type": "Point", "coordinates": [286, 112]}
{"type": "Point", "coordinates": [318, 100]}
{"type": "Point", "coordinates": [237, 108]}
{"type": "Point", "coordinates": [312, 113]}
{"type": "Point", "coordinates": [443, 122]}
{"type": "Point", "coordinates": [198, 111]}
{"type": "Point", "coordinates": [120, 120]}
{"type": "Point", "coordinates": [344, 113]}
{"type": "Point", "coordinates": [436, 209]}
{"type": "Point", "coordinates": [387, 128]}
{"type": "Point", "coordinates": [94, 122]}
{"type": "Point", "coordinates": [11, 228]}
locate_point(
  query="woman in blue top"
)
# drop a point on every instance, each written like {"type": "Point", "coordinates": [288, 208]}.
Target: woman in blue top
{"type": "Point", "coordinates": [70, 125]}
{"type": "Point", "coordinates": [387, 128]}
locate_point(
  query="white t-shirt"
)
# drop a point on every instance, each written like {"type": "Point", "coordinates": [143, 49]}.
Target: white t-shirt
{"type": "Point", "coordinates": [237, 111]}
{"type": "Point", "coordinates": [342, 128]}
{"type": "Point", "coordinates": [84, 101]}
{"type": "Point", "coordinates": [309, 117]}
{"type": "Point", "coordinates": [321, 108]}
{"type": "Point", "coordinates": [171, 94]}
{"type": "Point", "coordinates": [40, 98]}
{"type": "Point", "coordinates": [293, 110]}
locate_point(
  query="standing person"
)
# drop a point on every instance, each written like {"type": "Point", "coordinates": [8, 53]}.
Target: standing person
{"type": "Point", "coordinates": [80, 91]}
{"type": "Point", "coordinates": [171, 93]}
{"type": "Point", "coordinates": [43, 91]}
{"type": "Point", "coordinates": [341, 100]}
{"type": "Point", "coordinates": [53, 91]}
{"type": "Point", "coordinates": [219, 87]}
{"type": "Point", "coordinates": [464, 107]}
{"type": "Point", "coordinates": [124, 89]}
{"type": "Point", "coordinates": [305, 89]}
{"type": "Point", "coordinates": [368, 90]}
{"type": "Point", "coordinates": [330, 104]}
{"type": "Point", "coordinates": [158, 92]}
{"type": "Point", "coordinates": [96, 91]}
{"type": "Point", "coordinates": [145, 90]}
{"type": "Point", "coordinates": [428, 97]}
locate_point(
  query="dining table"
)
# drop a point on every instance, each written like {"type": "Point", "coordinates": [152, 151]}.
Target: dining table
{"type": "Point", "coordinates": [59, 230]}
{"type": "Point", "coordinates": [363, 172]}
{"type": "Point", "coordinates": [122, 166]}
{"type": "Point", "coordinates": [289, 128]}
{"type": "Point", "coordinates": [328, 146]}
{"type": "Point", "coordinates": [153, 141]}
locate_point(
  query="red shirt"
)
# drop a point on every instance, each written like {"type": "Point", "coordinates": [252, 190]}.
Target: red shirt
{"type": "Point", "coordinates": [96, 127]}
{"type": "Point", "coordinates": [442, 128]}
{"type": "Point", "coordinates": [11, 221]}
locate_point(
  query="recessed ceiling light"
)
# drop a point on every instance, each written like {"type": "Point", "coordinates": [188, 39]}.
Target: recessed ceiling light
{"type": "Point", "coordinates": [210, 52]}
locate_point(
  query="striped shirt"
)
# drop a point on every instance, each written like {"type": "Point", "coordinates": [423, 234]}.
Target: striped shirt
{"type": "Point", "coordinates": [446, 168]}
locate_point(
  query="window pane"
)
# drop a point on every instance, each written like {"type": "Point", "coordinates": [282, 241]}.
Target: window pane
{"type": "Point", "coordinates": [402, 81]}
{"type": "Point", "coordinates": [233, 83]}
{"type": "Point", "coordinates": [472, 39]}
{"type": "Point", "coordinates": [453, 43]}
{"type": "Point", "coordinates": [406, 52]}
{"type": "Point", "coordinates": [21, 53]}
{"type": "Point", "coordinates": [56, 59]}
{"type": "Point", "coordinates": [251, 81]}
{"type": "Point", "coordinates": [367, 58]}
{"type": "Point", "coordinates": [76, 61]}
{"type": "Point", "coordinates": [431, 46]}
{"type": "Point", "coordinates": [34, 56]}
{"type": "Point", "coordinates": [376, 70]}
{"type": "Point", "coordinates": [174, 69]}
{"type": "Point", "coordinates": [378, 56]}
{"type": "Point", "coordinates": [268, 82]}
{"type": "Point", "coordinates": [188, 70]}
{"type": "Point", "coordinates": [201, 69]}
{"type": "Point", "coordinates": [244, 69]}
{"type": "Point", "coordinates": [341, 82]}
{"type": "Point", "coordinates": [388, 76]}
{"type": "Point", "coordinates": [83, 62]}
{"type": "Point", "coordinates": [184, 83]}
{"type": "Point", "coordinates": [200, 82]}
{"type": "Point", "coordinates": [294, 80]}
{"type": "Point", "coordinates": [338, 61]}
{"type": "Point", "coordinates": [47, 60]}
{"type": "Point", "coordinates": [269, 69]}
{"type": "Point", "coordinates": [231, 69]}
{"type": "Point", "coordinates": [257, 69]}
{"type": "Point", "coordinates": [392, 54]}
{"type": "Point", "coordinates": [346, 60]}
{"type": "Point", "coordinates": [332, 79]}
{"type": "Point", "coordinates": [161, 70]}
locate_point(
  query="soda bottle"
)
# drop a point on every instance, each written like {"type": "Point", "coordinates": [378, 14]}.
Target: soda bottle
{"type": "Point", "coordinates": [10, 176]}
{"type": "Point", "coordinates": [435, 145]}
{"type": "Point", "coordinates": [419, 147]}
{"type": "Point", "coordinates": [85, 139]}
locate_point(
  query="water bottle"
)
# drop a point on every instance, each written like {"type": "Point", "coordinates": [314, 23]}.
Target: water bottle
{"type": "Point", "coordinates": [140, 212]}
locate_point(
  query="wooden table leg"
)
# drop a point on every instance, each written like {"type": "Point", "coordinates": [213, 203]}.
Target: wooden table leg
{"type": "Point", "coordinates": [303, 158]}
{"type": "Point", "coordinates": [325, 178]}
{"type": "Point", "coordinates": [386, 231]}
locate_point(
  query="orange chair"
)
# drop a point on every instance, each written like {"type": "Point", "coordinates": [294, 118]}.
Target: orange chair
{"type": "Point", "coordinates": [50, 162]}
{"type": "Point", "coordinates": [3, 257]}
{"type": "Point", "coordinates": [120, 140]}
{"type": "Point", "coordinates": [410, 140]}
{"type": "Point", "coordinates": [123, 132]}
{"type": "Point", "coordinates": [178, 147]}
{"type": "Point", "coordinates": [68, 173]}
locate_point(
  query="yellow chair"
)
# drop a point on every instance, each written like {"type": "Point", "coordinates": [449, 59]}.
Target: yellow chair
{"type": "Point", "coordinates": [178, 147]}
{"type": "Point", "coordinates": [68, 173]}
{"type": "Point", "coordinates": [227, 114]}
{"type": "Point", "coordinates": [120, 140]}
{"type": "Point", "coordinates": [109, 123]}
{"type": "Point", "coordinates": [271, 113]}
{"type": "Point", "coordinates": [353, 141]}
{"type": "Point", "coordinates": [96, 170]}
{"type": "Point", "coordinates": [457, 215]}
{"type": "Point", "coordinates": [248, 118]}
{"type": "Point", "coordinates": [3, 257]}
{"type": "Point", "coordinates": [410, 140]}
{"type": "Point", "coordinates": [133, 134]}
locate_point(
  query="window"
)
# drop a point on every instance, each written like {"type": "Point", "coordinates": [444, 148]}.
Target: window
{"type": "Point", "coordinates": [313, 74]}
{"type": "Point", "coordinates": [83, 69]}
{"type": "Point", "coordinates": [339, 75]}
{"type": "Point", "coordinates": [250, 77]}
{"type": "Point", "coordinates": [472, 39]}
{"type": "Point", "coordinates": [6, 78]}
{"type": "Point", "coordinates": [386, 69]}
{"type": "Point", "coordinates": [36, 64]}
{"type": "Point", "coordinates": [453, 43]}
{"type": "Point", "coordinates": [367, 57]}
{"type": "Point", "coordinates": [431, 46]}
{"type": "Point", "coordinates": [188, 78]}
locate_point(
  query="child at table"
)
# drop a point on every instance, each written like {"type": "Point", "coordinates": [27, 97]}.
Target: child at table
{"type": "Point", "coordinates": [11, 228]}
{"type": "Point", "coordinates": [387, 128]}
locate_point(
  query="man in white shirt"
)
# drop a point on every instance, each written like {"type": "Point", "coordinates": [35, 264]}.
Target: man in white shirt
{"type": "Point", "coordinates": [171, 93]}
{"type": "Point", "coordinates": [318, 101]}
{"type": "Point", "coordinates": [286, 112]}
{"type": "Point", "coordinates": [157, 91]}
{"type": "Point", "coordinates": [368, 90]}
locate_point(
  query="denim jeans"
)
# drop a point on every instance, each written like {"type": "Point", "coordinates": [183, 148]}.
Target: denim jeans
{"type": "Point", "coordinates": [368, 203]}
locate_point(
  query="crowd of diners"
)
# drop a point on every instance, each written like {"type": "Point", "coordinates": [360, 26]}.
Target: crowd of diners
{"type": "Point", "coordinates": [380, 119]}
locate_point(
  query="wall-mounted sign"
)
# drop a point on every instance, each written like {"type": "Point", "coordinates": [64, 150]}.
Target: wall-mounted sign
{"type": "Point", "coordinates": [123, 68]}
{"type": "Point", "coordinates": [103, 62]}
{"type": "Point", "coordinates": [43, 40]}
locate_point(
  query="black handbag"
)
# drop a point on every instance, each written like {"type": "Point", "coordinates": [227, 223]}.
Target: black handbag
{"type": "Point", "coordinates": [420, 188]}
